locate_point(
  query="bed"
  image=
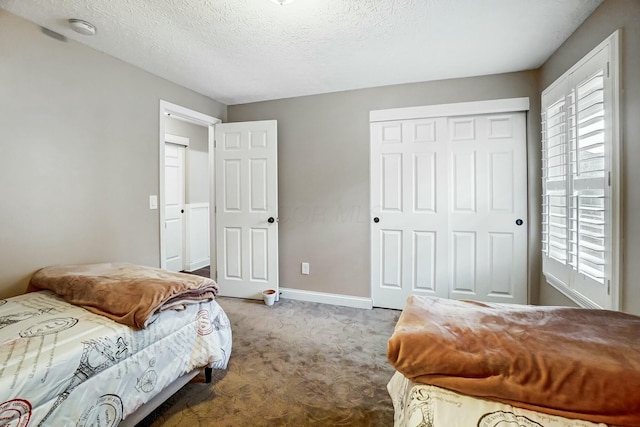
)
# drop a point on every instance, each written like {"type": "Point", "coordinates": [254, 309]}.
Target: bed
{"type": "Point", "coordinates": [466, 363]}
{"type": "Point", "coordinates": [86, 348]}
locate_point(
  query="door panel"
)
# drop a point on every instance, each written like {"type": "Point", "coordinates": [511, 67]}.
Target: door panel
{"type": "Point", "coordinates": [501, 182]}
{"type": "Point", "coordinates": [246, 198]}
{"type": "Point", "coordinates": [392, 179]}
{"type": "Point", "coordinates": [425, 255]}
{"type": "Point", "coordinates": [425, 182]}
{"type": "Point", "coordinates": [463, 168]}
{"type": "Point", "coordinates": [464, 261]}
{"type": "Point", "coordinates": [232, 182]}
{"type": "Point", "coordinates": [501, 250]}
{"type": "Point", "coordinates": [259, 258]}
{"type": "Point", "coordinates": [392, 258]}
{"type": "Point", "coordinates": [232, 253]}
{"type": "Point", "coordinates": [462, 129]}
{"type": "Point", "coordinates": [259, 181]}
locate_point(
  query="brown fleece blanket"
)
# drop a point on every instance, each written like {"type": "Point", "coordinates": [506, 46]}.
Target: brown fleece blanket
{"type": "Point", "coordinates": [129, 294]}
{"type": "Point", "coordinates": [572, 362]}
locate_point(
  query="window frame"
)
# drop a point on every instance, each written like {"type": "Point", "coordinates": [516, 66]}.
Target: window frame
{"type": "Point", "coordinates": [563, 277]}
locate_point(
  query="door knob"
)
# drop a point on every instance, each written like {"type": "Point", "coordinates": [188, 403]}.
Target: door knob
{"type": "Point", "coordinates": [181, 210]}
{"type": "Point", "coordinates": [271, 220]}
{"type": "Point", "coordinates": [376, 219]}
{"type": "Point", "coordinates": [519, 221]}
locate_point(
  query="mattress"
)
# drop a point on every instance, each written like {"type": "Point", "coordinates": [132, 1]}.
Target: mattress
{"type": "Point", "coordinates": [62, 365]}
{"type": "Point", "coordinates": [425, 405]}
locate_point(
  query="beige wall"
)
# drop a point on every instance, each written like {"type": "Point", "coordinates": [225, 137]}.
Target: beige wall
{"type": "Point", "coordinates": [611, 15]}
{"type": "Point", "coordinates": [79, 147]}
{"type": "Point", "coordinates": [78, 154]}
{"type": "Point", "coordinates": [323, 161]}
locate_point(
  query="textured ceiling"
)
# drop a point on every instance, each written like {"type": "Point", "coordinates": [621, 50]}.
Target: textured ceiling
{"type": "Point", "coordinates": [239, 51]}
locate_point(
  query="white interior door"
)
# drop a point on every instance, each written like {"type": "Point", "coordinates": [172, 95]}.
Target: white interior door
{"type": "Point", "coordinates": [247, 208]}
{"type": "Point", "coordinates": [174, 192]}
{"type": "Point", "coordinates": [409, 207]}
{"type": "Point", "coordinates": [487, 213]}
{"type": "Point", "coordinates": [446, 197]}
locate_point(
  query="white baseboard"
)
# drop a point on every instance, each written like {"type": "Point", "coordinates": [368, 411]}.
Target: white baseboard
{"type": "Point", "coordinates": [198, 264]}
{"type": "Point", "coordinates": [326, 298]}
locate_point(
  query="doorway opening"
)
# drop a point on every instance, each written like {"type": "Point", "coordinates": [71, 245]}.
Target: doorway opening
{"type": "Point", "coordinates": [194, 225]}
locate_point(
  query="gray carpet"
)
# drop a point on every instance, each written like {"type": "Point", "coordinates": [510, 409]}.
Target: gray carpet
{"type": "Point", "coordinates": [293, 364]}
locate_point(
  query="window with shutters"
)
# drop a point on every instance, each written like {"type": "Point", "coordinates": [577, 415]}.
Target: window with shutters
{"type": "Point", "coordinates": [580, 179]}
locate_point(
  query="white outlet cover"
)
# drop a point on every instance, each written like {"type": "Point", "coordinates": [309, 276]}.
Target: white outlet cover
{"type": "Point", "coordinates": [153, 201]}
{"type": "Point", "coordinates": [305, 268]}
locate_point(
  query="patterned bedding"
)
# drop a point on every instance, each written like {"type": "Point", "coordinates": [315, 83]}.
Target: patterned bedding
{"type": "Point", "coordinates": [422, 405]}
{"type": "Point", "coordinates": [62, 365]}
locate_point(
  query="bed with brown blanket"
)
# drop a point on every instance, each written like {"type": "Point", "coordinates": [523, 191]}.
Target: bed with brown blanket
{"type": "Point", "coordinates": [560, 363]}
{"type": "Point", "coordinates": [102, 344]}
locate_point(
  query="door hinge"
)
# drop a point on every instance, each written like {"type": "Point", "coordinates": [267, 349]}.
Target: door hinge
{"type": "Point", "coordinates": [609, 178]}
{"type": "Point", "coordinates": [215, 143]}
{"type": "Point", "coordinates": [608, 287]}
{"type": "Point", "coordinates": [607, 68]}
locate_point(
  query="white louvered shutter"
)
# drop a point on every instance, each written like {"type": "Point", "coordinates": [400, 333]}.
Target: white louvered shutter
{"type": "Point", "coordinates": [554, 173]}
{"type": "Point", "coordinates": [577, 146]}
{"type": "Point", "coordinates": [588, 203]}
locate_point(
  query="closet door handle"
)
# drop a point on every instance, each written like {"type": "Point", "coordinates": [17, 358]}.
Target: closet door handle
{"type": "Point", "coordinates": [376, 220]}
{"type": "Point", "coordinates": [271, 220]}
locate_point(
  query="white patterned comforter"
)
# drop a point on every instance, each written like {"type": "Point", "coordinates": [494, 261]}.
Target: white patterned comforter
{"type": "Point", "coordinates": [421, 405]}
{"type": "Point", "coordinates": [61, 365]}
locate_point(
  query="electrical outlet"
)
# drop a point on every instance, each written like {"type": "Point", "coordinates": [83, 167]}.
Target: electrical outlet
{"type": "Point", "coordinates": [305, 268]}
{"type": "Point", "coordinates": [153, 202]}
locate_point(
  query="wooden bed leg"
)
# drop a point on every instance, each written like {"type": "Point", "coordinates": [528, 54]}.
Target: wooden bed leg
{"type": "Point", "coordinates": [207, 375]}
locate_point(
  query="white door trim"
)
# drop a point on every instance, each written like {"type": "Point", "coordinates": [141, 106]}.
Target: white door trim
{"type": "Point", "coordinates": [168, 109]}
{"type": "Point", "coordinates": [509, 105]}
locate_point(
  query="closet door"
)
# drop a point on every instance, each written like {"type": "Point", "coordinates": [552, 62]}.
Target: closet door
{"type": "Point", "coordinates": [448, 202]}
{"type": "Point", "coordinates": [488, 208]}
{"type": "Point", "coordinates": [409, 205]}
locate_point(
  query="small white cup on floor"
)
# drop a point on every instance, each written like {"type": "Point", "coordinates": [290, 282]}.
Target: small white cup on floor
{"type": "Point", "coordinates": [269, 297]}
